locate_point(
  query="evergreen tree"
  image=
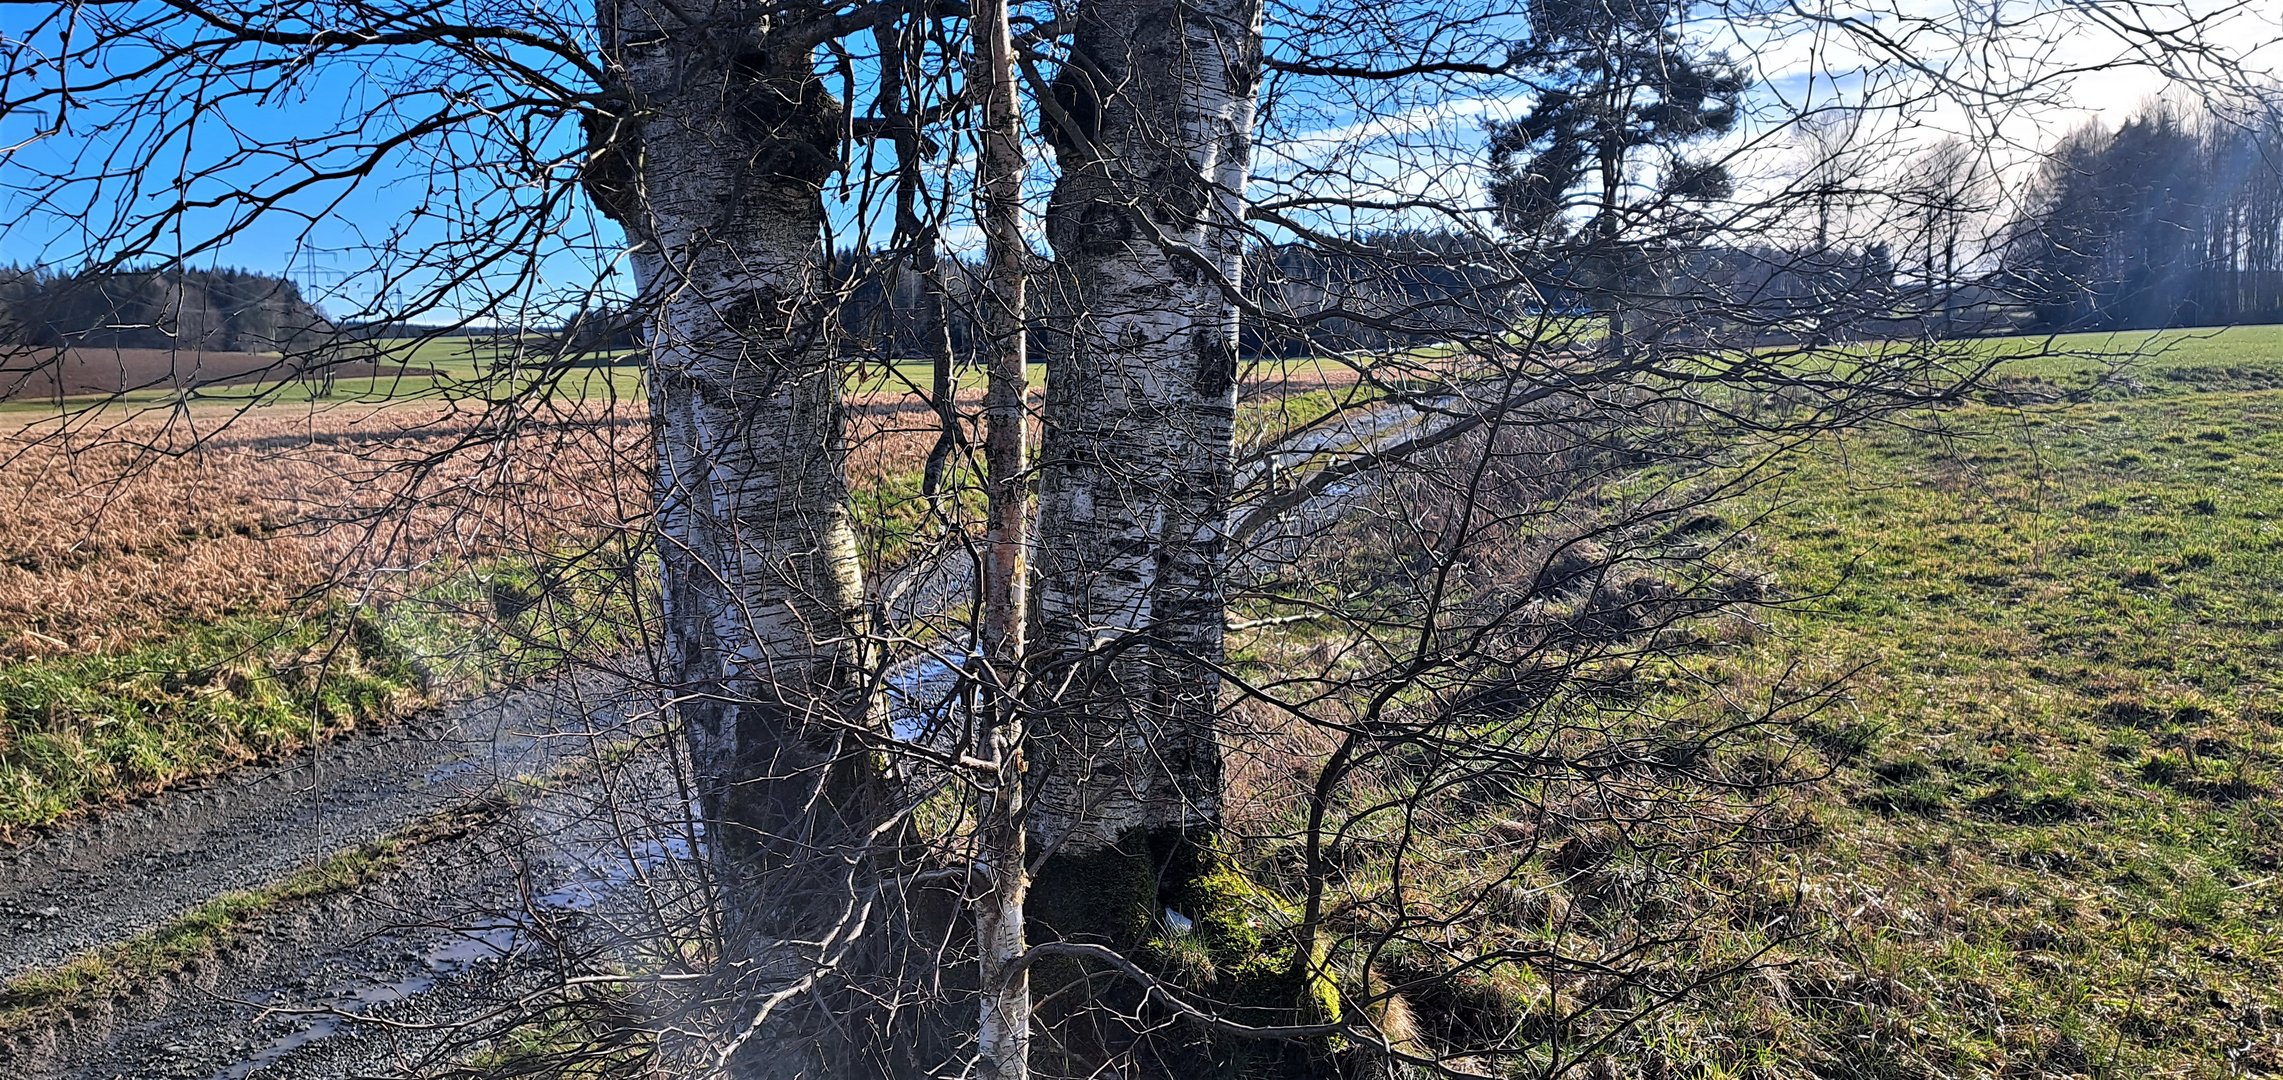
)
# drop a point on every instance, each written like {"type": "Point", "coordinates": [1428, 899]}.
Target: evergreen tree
{"type": "Point", "coordinates": [1595, 172]}
{"type": "Point", "coordinates": [219, 310]}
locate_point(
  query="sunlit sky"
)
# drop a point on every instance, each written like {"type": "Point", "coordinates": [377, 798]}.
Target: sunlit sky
{"type": "Point", "coordinates": [1417, 141]}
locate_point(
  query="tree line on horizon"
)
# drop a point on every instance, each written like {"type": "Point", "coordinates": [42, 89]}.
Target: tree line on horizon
{"type": "Point", "coordinates": [218, 310]}
{"type": "Point", "coordinates": [2173, 218]}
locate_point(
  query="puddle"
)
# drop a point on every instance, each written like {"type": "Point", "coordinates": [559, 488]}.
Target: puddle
{"type": "Point", "coordinates": [334, 1013]}
{"type": "Point", "coordinates": [429, 959]}
{"type": "Point", "coordinates": [923, 701]}
{"type": "Point", "coordinates": [584, 868]}
{"type": "Point", "coordinates": [593, 883]}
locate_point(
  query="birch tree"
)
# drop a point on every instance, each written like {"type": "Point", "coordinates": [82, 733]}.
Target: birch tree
{"type": "Point", "coordinates": [1151, 123]}
{"type": "Point", "coordinates": [712, 163]}
{"type": "Point", "coordinates": [1150, 118]}
{"type": "Point", "coordinates": [1003, 1032]}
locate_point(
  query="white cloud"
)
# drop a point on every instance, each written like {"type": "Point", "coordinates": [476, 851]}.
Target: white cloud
{"type": "Point", "coordinates": [2010, 76]}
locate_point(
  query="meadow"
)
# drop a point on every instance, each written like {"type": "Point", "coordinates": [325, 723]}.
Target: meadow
{"type": "Point", "coordinates": [2037, 830]}
{"type": "Point", "coordinates": [180, 593]}
{"type": "Point", "coordinates": [2043, 836]}
{"type": "Point", "coordinates": [2051, 839]}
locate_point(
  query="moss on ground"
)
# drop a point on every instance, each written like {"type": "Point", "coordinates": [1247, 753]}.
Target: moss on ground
{"type": "Point", "coordinates": [1226, 955]}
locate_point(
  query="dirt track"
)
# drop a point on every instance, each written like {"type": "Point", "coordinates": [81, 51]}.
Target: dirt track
{"type": "Point", "coordinates": [395, 977]}
{"type": "Point", "coordinates": [142, 865]}
{"type": "Point", "coordinates": [405, 957]}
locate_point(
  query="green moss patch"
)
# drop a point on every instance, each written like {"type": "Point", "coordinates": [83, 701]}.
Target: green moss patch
{"type": "Point", "coordinates": [1230, 953]}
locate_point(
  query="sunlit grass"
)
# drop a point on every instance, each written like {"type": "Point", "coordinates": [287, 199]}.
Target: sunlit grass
{"type": "Point", "coordinates": [84, 730]}
{"type": "Point", "coordinates": [2058, 775]}
{"type": "Point", "coordinates": [2050, 839]}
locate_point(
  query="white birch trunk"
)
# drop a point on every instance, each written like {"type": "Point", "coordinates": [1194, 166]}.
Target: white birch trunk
{"type": "Point", "coordinates": [715, 179]}
{"type": "Point", "coordinates": [1152, 122]}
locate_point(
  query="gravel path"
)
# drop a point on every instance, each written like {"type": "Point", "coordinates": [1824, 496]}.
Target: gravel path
{"type": "Point", "coordinates": [423, 964]}
{"type": "Point", "coordinates": [412, 971]}
{"type": "Point", "coordinates": [137, 867]}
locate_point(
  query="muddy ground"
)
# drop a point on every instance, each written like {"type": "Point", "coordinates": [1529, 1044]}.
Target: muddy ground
{"type": "Point", "coordinates": [549, 830]}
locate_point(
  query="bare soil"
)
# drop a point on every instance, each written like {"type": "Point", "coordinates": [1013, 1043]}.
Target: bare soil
{"type": "Point", "coordinates": [31, 374]}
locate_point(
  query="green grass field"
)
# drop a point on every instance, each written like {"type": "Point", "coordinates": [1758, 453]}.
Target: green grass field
{"type": "Point", "coordinates": [2040, 833]}
{"type": "Point", "coordinates": [442, 369]}
{"type": "Point", "coordinates": [2056, 824]}
{"type": "Point", "coordinates": [464, 369]}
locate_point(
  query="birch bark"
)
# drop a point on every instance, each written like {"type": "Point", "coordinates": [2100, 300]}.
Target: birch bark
{"type": "Point", "coordinates": [714, 172]}
{"type": "Point", "coordinates": [1152, 126]}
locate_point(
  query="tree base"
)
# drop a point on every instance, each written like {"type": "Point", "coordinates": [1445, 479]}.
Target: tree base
{"type": "Point", "coordinates": [1135, 896]}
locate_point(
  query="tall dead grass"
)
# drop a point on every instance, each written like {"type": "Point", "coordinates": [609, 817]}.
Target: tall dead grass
{"type": "Point", "coordinates": [121, 527]}
{"type": "Point", "coordinates": [119, 534]}
{"type": "Point", "coordinates": [122, 530]}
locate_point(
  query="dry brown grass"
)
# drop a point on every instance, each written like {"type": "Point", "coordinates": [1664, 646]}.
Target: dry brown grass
{"type": "Point", "coordinates": [1273, 379]}
{"type": "Point", "coordinates": [124, 526]}
{"type": "Point", "coordinates": [122, 531]}
{"type": "Point", "coordinates": [152, 573]}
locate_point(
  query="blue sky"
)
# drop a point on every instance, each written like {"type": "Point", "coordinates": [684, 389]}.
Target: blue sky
{"type": "Point", "coordinates": [386, 236]}
{"type": "Point", "coordinates": [173, 158]}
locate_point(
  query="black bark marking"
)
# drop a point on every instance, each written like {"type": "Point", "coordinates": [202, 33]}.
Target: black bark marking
{"type": "Point", "coordinates": [1216, 365]}
{"type": "Point", "coordinates": [609, 172]}
{"type": "Point", "coordinates": [1182, 193]}
{"type": "Point", "coordinates": [1075, 122]}
{"type": "Point", "coordinates": [792, 122]}
{"type": "Point", "coordinates": [1103, 228]}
